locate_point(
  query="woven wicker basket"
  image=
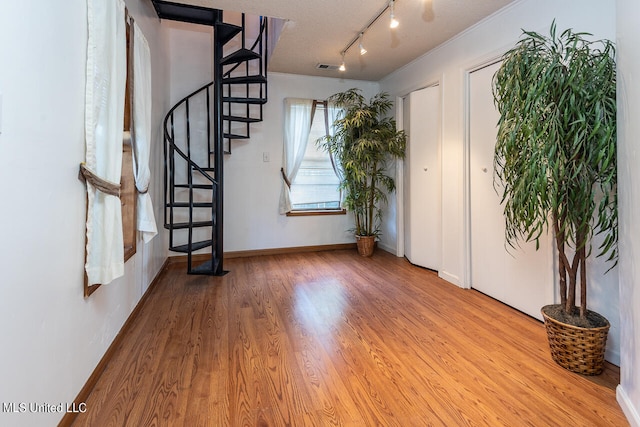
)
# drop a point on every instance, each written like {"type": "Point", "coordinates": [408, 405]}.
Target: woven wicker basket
{"type": "Point", "coordinates": [577, 349]}
{"type": "Point", "coordinates": [366, 245]}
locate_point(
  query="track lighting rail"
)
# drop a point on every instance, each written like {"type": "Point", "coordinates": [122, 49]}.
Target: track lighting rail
{"type": "Point", "coordinates": [360, 33]}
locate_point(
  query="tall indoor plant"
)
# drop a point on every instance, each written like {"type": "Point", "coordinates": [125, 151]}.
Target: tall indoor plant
{"type": "Point", "coordinates": [363, 142]}
{"type": "Point", "coordinates": [556, 158]}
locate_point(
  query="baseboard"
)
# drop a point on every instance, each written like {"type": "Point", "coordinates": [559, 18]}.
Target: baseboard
{"type": "Point", "coordinates": [391, 249]}
{"type": "Point", "coordinates": [630, 411]}
{"type": "Point", "coordinates": [84, 393]}
{"type": "Point", "coordinates": [262, 252]}
{"type": "Point", "coordinates": [451, 278]}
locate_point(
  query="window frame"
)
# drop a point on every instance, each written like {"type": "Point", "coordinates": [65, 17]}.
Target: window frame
{"type": "Point", "coordinates": [319, 211]}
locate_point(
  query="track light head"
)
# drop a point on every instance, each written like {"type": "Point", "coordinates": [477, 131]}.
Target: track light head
{"type": "Point", "coordinates": [360, 46]}
{"type": "Point", "coordinates": [393, 23]}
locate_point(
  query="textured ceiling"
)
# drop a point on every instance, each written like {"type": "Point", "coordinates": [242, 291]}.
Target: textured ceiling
{"type": "Point", "coordinates": [316, 31]}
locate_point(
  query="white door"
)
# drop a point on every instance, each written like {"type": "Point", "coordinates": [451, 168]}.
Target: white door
{"type": "Point", "coordinates": [422, 192]}
{"type": "Point", "coordinates": [522, 277]}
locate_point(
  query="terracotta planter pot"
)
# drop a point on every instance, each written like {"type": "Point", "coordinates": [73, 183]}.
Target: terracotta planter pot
{"type": "Point", "coordinates": [366, 245]}
{"type": "Point", "coordinates": [577, 349]}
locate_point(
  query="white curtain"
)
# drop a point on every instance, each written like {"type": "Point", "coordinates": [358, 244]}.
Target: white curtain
{"type": "Point", "coordinates": [146, 221]}
{"type": "Point", "coordinates": [104, 122]}
{"type": "Point", "coordinates": [297, 125]}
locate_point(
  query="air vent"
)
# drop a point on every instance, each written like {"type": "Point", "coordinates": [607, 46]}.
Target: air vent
{"type": "Point", "coordinates": [327, 67]}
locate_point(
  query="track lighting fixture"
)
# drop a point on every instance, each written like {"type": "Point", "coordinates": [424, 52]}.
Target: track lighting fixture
{"type": "Point", "coordinates": [393, 23]}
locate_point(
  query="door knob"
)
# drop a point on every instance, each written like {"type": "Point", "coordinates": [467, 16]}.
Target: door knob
{"type": "Point", "coordinates": [425, 168]}
{"type": "Point", "coordinates": [484, 170]}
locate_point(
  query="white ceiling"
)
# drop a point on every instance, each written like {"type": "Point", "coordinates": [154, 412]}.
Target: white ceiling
{"type": "Point", "coordinates": [316, 31]}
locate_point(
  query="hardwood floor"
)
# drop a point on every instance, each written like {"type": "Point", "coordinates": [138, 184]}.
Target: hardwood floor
{"type": "Point", "coordinates": [333, 339]}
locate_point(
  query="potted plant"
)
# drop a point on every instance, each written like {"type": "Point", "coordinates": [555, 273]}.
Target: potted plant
{"type": "Point", "coordinates": [556, 159]}
{"type": "Point", "coordinates": [363, 143]}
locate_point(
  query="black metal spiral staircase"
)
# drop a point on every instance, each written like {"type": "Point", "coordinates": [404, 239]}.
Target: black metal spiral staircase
{"type": "Point", "coordinates": [199, 130]}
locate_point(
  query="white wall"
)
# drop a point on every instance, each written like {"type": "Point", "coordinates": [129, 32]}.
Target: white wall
{"type": "Point", "coordinates": [628, 35]}
{"type": "Point", "coordinates": [190, 57]}
{"type": "Point", "coordinates": [53, 336]}
{"type": "Point", "coordinates": [448, 64]}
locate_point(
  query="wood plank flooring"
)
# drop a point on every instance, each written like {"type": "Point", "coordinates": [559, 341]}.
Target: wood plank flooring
{"type": "Point", "coordinates": [333, 339]}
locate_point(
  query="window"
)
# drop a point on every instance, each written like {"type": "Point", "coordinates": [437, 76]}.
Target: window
{"type": "Point", "coordinates": [311, 183]}
{"type": "Point", "coordinates": [127, 180]}
{"type": "Point", "coordinates": [315, 186]}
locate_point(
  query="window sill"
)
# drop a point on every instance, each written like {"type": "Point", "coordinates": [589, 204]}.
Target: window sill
{"type": "Point", "coordinates": [317, 212]}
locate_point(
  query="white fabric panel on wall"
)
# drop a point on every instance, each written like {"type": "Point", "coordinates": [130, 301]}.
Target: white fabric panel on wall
{"type": "Point", "coordinates": [146, 222]}
{"type": "Point", "coordinates": [104, 122]}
